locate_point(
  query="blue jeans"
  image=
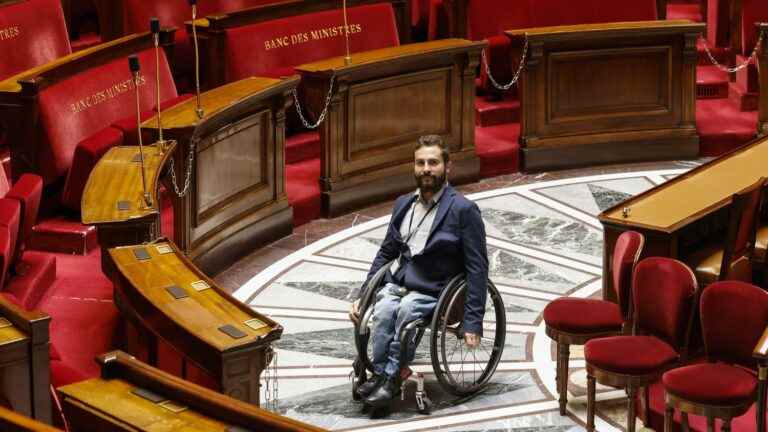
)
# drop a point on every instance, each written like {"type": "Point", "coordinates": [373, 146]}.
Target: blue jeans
{"type": "Point", "coordinates": [391, 312]}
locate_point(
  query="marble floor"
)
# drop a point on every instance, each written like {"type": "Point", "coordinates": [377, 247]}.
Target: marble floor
{"type": "Point", "coordinates": [544, 241]}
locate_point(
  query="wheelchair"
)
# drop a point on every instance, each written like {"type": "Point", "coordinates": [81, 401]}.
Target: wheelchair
{"type": "Point", "coordinates": [459, 370]}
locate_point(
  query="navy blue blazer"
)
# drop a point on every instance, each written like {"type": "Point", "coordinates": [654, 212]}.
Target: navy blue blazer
{"type": "Point", "coordinates": [456, 244]}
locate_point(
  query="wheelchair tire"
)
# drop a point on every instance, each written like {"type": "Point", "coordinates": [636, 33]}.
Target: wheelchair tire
{"type": "Point", "coordinates": [447, 339]}
{"type": "Point", "coordinates": [367, 299]}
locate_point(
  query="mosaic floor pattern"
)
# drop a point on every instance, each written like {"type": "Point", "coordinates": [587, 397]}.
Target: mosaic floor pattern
{"type": "Point", "coordinates": [544, 241]}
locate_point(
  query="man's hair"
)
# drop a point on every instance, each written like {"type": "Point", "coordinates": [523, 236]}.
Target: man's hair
{"type": "Point", "coordinates": [434, 141]}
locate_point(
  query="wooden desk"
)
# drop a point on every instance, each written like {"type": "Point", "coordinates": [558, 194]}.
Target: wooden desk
{"type": "Point", "coordinates": [677, 216]}
{"type": "Point", "coordinates": [11, 421]}
{"type": "Point", "coordinates": [236, 199]}
{"type": "Point", "coordinates": [604, 93]}
{"type": "Point", "coordinates": [113, 198]}
{"type": "Point", "coordinates": [109, 403]}
{"type": "Point", "coordinates": [24, 361]}
{"type": "Point", "coordinates": [382, 102]}
{"type": "Point", "coordinates": [191, 325]}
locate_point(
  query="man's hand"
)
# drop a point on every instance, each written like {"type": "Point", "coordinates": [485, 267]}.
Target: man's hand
{"type": "Point", "coordinates": [354, 312]}
{"type": "Point", "coordinates": [472, 340]}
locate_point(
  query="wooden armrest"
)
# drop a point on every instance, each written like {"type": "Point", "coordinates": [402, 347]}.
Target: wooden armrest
{"type": "Point", "coordinates": [117, 364]}
{"type": "Point", "coordinates": [11, 421]}
{"type": "Point", "coordinates": [613, 29]}
{"type": "Point", "coordinates": [761, 349]}
{"type": "Point", "coordinates": [30, 322]}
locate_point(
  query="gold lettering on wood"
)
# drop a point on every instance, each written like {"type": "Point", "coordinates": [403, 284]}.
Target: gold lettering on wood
{"type": "Point", "coordinates": [104, 95]}
{"type": "Point", "coordinates": [9, 32]}
{"type": "Point", "coordinates": [312, 35]}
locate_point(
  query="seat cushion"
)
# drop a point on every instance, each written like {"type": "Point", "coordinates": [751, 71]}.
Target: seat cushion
{"type": "Point", "coordinates": [711, 384]}
{"type": "Point", "coordinates": [761, 243]}
{"type": "Point", "coordinates": [581, 316]}
{"type": "Point", "coordinates": [630, 355]}
{"type": "Point", "coordinates": [27, 191]}
{"type": "Point", "coordinates": [706, 264]}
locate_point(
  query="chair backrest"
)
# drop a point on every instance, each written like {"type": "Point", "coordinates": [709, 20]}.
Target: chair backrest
{"type": "Point", "coordinates": [486, 18]}
{"type": "Point", "coordinates": [664, 296]}
{"type": "Point", "coordinates": [561, 12]}
{"type": "Point", "coordinates": [171, 13]}
{"type": "Point", "coordinates": [27, 191]}
{"type": "Point", "coordinates": [734, 315]}
{"type": "Point", "coordinates": [718, 22]}
{"type": "Point", "coordinates": [626, 254]}
{"type": "Point", "coordinates": [10, 218]}
{"type": "Point", "coordinates": [742, 226]}
{"type": "Point", "coordinates": [752, 11]}
{"type": "Point", "coordinates": [32, 32]}
{"type": "Point", "coordinates": [86, 102]}
{"type": "Point", "coordinates": [273, 48]}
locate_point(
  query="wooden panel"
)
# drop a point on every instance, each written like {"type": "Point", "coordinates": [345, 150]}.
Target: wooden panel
{"type": "Point", "coordinates": [381, 116]}
{"type": "Point", "coordinates": [593, 83]}
{"type": "Point", "coordinates": [383, 100]}
{"type": "Point", "coordinates": [241, 149]}
{"type": "Point", "coordinates": [675, 203]}
{"type": "Point", "coordinates": [167, 296]}
{"type": "Point", "coordinates": [608, 93]}
{"type": "Point", "coordinates": [110, 403]}
{"type": "Point", "coordinates": [236, 199]}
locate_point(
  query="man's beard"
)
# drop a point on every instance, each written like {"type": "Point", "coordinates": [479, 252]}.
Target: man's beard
{"type": "Point", "coordinates": [434, 186]}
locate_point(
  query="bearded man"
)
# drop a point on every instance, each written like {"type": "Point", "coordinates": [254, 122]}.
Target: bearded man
{"type": "Point", "coordinates": [434, 234]}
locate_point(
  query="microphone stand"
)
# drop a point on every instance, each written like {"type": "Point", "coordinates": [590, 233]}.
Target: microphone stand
{"type": "Point", "coordinates": [199, 109]}
{"type": "Point", "coordinates": [348, 57]}
{"type": "Point", "coordinates": [154, 25]}
{"type": "Point", "coordinates": [133, 63]}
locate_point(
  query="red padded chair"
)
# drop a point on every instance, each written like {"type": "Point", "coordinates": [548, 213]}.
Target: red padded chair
{"type": "Point", "coordinates": [747, 79]}
{"type": "Point", "coordinates": [664, 297]}
{"type": "Point", "coordinates": [734, 315]}
{"type": "Point", "coordinates": [32, 32]}
{"type": "Point", "coordinates": [575, 321]}
{"type": "Point", "coordinates": [732, 259]}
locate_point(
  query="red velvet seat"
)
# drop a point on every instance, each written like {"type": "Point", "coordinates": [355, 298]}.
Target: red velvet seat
{"type": "Point", "coordinates": [32, 32]}
{"type": "Point", "coordinates": [575, 321]}
{"type": "Point", "coordinates": [734, 315]}
{"type": "Point", "coordinates": [664, 295]}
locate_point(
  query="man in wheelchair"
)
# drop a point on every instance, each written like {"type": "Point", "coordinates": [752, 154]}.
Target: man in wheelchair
{"type": "Point", "coordinates": [434, 234]}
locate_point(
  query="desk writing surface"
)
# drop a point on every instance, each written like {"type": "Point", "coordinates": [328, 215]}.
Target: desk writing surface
{"type": "Point", "coordinates": [114, 398]}
{"type": "Point", "coordinates": [9, 334]}
{"type": "Point", "coordinates": [203, 312]}
{"type": "Point", "coordinates": [338, 64]}
{"type": "Point", "coordinates": [602, 27]}
{"type": "Point", "coordinates": [117, 177]}
{"type": "Point", "coordinates": [672, 204]}
{"type": "Point", "coordinates": [212, 101]}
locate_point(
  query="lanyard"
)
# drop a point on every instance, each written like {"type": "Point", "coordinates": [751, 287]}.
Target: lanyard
{"type": "Point", "coordinates": [413, 211]}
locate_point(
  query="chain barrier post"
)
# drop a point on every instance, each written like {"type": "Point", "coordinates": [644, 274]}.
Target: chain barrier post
{"type": "Point", "coordinates": [188, 173]}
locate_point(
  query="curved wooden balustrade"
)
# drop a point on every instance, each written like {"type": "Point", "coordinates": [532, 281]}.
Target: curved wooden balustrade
{"type": "Point", "coordinates": [236, 199]}
{"type": "Point", "coordinates": [159, 289]}
{"type": "Point", "coordinates": [132, 396]}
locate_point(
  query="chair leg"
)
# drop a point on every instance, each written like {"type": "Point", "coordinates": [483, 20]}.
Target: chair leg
{"type": "Point", "coordinates": [684, 421]}
{"type": "Point", "coordinates": [590, 403]}
{"type": "Point", "coordinates": [631, 393]}
{"type": "Point", "coordinates": [563, 354]}
{"type": "Point", "coordinates": [669, 415]}
{"type": "Point", "coordinates": [726, 427]}
{"type": "Point", "coordinates": [710, 424]}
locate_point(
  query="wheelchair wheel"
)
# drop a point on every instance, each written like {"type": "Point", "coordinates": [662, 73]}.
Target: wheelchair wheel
{"type": "Point", "coordinates": [460, 370]}
{"type": "Point", "coordinates": [367, 299]}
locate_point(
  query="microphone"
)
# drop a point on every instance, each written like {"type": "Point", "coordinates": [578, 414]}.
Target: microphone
{"type": "Point", "coordinates": [199, 110]}
{"type": "Point", "coordinates": [133, 65]}
{"type": "Point", "coordinates": [154, 27]}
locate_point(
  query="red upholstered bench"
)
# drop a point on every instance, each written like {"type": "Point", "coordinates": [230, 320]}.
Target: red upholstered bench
{"type": "Point", "coordinates": [78, 118]}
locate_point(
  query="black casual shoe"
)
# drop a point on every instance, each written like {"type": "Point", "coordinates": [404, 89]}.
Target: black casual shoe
{"type": "Point", "coordinates": [384, 394]}
{"type": "Point", "coordinates": [365, 389]}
